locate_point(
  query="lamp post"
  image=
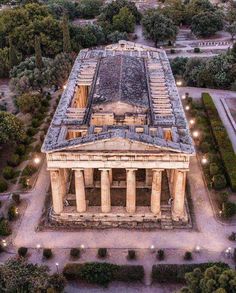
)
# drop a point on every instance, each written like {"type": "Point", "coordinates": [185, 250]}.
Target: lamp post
{"type": "Point", "coordinates": [37, 160]}
{"type": "Point", "coordinates": [57, 266]}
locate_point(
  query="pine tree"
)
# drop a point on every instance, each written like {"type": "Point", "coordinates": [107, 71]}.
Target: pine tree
{"type": "Point", "coordinates": [13, 60]}
{"type": "Point", "coordinates": [66, 34]}
{"type": "Point", "coordinates": [38, 53]}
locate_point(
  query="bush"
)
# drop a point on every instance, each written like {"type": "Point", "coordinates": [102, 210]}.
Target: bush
{"type": "Point", "coordinates": [11, 213]}
{"type": "Point", "coordinates": [47, 253]}
{"type": "Point", "coordinates": [219, 182]}
{"type": "Point", "coordinates": [222, 140]}
{"type": "Point", "coordinates": [1, 248]}
{"type": "Point", "coordinates": [75, 252]}
{"type": "Point", "coordinates": [205, 147]}
{"type": "Point", "coordinates": [232, 236]}
{"type": "Point", "coordinates": [16, 198]}
{"type": "Point", "coordinates": [31, 131]}
{"type": "Point", "coordinates": [5, 229]}
{"type": "Point", "coordinates": [214, 169]}
{"type": "Point", "coordinates": [160, 254]}
{"type": "Point", "coordinates": [29, 170]}
{"type": "Point", "coordinates": [131, 254]}
{"type": "Point", "coordinates": [35, 123]}
{"type": "Point", "coordinates": [26, 140]}
{"type": "Point", "coordinates": [229, 209]}
{"type": "Point", "coordinates": [20, 149]}
{"type": "Point", "coordinates": [22, 251]}
{"type": "Point", "coordinates": [188, 255]}
{"type": "Point", "coordinates": [172, 51]}
{"type": "Point", "coordinates": [103, 273]}
{"type": "Point", "coordinates": [3, 185]}
{"type": "Point", "coordinates": [102, 252]}
{"type": "Point", "coordinates": [8, 172]}
{"type": "Point", "coordinates": [127, 273]}
{"type": "Point", "coordinates": [174, 273]}
{"type": "Point", "coordinates": [196, 50]}
{"type": "Point", "coordinates": [14, 160]}
{"type": "Point", "coordinates": [97, 273]}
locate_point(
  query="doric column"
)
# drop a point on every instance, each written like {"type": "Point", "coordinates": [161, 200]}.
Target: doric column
{"type": "Point", "coordinates": [110, 176]}
{"type": "Point", "coordinates": [148, 177]}
{"type": "Point", "coordinates": [80, 191]}
{"type": "Point", "coordinates": [171, 183]}
{"type": "Point", "coordinates": [58, 189]}
{"type": "Point", "coordinates": [131, 191]}
{"type": "Point", "coordinates": [156, 192]}
{"type": "Point", "coordinates": [105, 191]}
{"type": "Point", "coordinates": [88, 176]}
{"type": "Point", "coordinates": [178, 209]}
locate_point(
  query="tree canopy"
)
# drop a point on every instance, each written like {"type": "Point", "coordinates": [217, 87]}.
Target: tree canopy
{"type": "Point", "coordinates": [11, 128]}
{"type": "Point", "coordinates": [124, 21]}
{"type": "Point", "coordinates": [158, 27]}
{"type": "Point", "coordinates": [89, 8]}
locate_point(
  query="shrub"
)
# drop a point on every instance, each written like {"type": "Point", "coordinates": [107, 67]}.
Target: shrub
{"type": "Point", "coordinates": [219, 182]}
{"type": "Point", "coordinates": [97, 273]}
{"type": "Point", "coordinates": [222, 140]}
{"type": "Point", "coordinates": [20, 149]}
{"type": "Point", "coordinates": [174, 273]}
{"type": "Point", "coordinates": [56, 283]}
{"type": "Point", "coordinates": [11, 213]}
{"type": "Point", "coordinates": [102, 252]}
{"type": "Point", "coordinates": [14, 160]}
{"type": "Point", "coordinates": [127, 273]}
{"type": "Point", "coordinates": [131, 254]}
{"type": "Point", "coordinates": [172, 51]}
{"type": "Point", "coordinates": [188, 255]}
{"type": "Point", "coordinates": [8, 172]}
{"type": "Point", "coordinates": [35, 123]}
{"type": "Point", "coordinates": [16, 198]}
{"type": "Point", "coordinates": [5, 229]}
{"type": "Point", "coordinates": [196, 50]}
{"type": "Point", "coordinates": [47, 253]}
{"type": "Point", "coordinates": [232, 236]}
{"type": "Point", "coordinates": [45, 103]}
{"type": "Point", "coordinates": [22, 251]}
{"type": "Point", "coordinates": [160, 254]}
{"type": "Point", "coordinates": [205, 147]}
{"type": "Point", "coordinates": [1, 248]}
{"type": "Point", "coordinates": [229, 209]}
{"type": "Point", "coordinates": [31, 131]}
{"type": "Point", "coordinates": [29, 170]}
{"type": "Point", "coordinates": [26, 140]}
{"type": "Point", "coordinates": [3, 185]}
{"type": "Point", "coordinates": [214, 169]}
{"type": "Point", "coordinates": [75, 252]}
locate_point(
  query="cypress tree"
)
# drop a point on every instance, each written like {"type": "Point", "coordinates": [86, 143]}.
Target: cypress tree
{"type": "Point", "coordinates": [66, 34]}
{"type": "Point", "coordinates": [38, 53]}
{"type": "Point", "coordinates": [13, 60]}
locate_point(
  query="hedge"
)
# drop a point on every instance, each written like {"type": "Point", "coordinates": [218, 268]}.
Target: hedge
{"type": "Point", "coordinates": [222, 140]}
{"type": "Point", "coordinates": [103, 273]}
{"type": "Point", "coordinates": [174, 273]}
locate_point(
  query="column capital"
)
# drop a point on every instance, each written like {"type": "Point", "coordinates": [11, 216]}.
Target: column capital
{"type": "Point", "coordinates": [104, 169]}
{"type": "Point", "coordinates": [157, 170]}
{"type": "Point", "coordinates": [77, 169]}
{"type": "Point", "coordinates": [131, 169]}
{"type": "Point", "coordinates": [182, 170]}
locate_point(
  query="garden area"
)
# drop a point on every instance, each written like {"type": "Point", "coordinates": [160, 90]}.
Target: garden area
{"type": "Point", "coordinates": [215, 152]}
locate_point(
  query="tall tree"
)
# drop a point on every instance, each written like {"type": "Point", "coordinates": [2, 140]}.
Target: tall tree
{"type": "Point", "coordinates": [66, 34]}
{"type": "Point", "coordinates": [38, 53]}
{"type": "Point", "coordinates": [13, 61]}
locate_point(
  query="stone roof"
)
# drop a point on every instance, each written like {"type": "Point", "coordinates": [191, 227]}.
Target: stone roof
{"type": "Point", "coordinates": [127, 72]}
{"type": "Point", "coordinates": [121, 78]}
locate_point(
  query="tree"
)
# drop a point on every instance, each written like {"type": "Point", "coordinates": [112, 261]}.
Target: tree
{"type": "Point", "coordinates": [16, 275]}
{"type": "Point", "coordinates": [198, 6]}
{"type": "Point", "coordinates": [4, 62]}
{"type": "Point", "coordinates": [27, 77]}
{"type": "Point", "coordinates": [28, 103]}
{"type": "Point", "coordinates": [58, 7]}
{"type": "Point", "coordinates": [11, 128]}
{"type": "Point", "coordinates": [89, 8]}
{"type": "Point", "coordinates": [124, 21]}
{"type": "Point", "coordinates": [175, 10]}
{"type": "Point", "coordinates": [113, 8]}
{"type": "Point", "coordinates": [214, 279]}
{"type": "Point", "coordinates": [66, 34]}
{"type": "Point", "coordinates": [38, 53]}
{"type": "Point", "coordinates": [116, 36]}
{"type": "Point", "coordinates": [178, 65]}
{"type": "Point", "coordinates": [206, 23]}
{"type": "Point", "coordinates": [231, 28]}
{"type": "Point", "coordinates": [13, 60]}
{"type": "Point", "coordinates": [158, 27]}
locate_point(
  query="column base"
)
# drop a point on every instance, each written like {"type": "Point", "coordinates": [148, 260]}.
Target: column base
{"type": "Point", "coordinates": [158, 214]}
{"type": "Point", "coordinates": [178, 216]}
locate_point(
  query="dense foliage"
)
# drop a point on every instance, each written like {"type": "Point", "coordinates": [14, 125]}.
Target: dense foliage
{"type": "Point", "coordinates": [213, 279]}
{"type": "Point", "coordinates": [103, 273]}
{"type": "Point", "coordinates": [19, 276]}
{"type": "Point", "coordinates": [222, 140]}
{"type": "Point", "coordinates": [175, 273]}
{"type": "Point", "coordinates": [158, 27]}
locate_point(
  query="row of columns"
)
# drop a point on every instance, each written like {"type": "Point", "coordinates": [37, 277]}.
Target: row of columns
{"type": "Point", "coordinates": [177, 179]}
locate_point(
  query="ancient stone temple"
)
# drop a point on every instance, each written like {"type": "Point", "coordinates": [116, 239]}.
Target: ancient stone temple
{"type": "Point", "coordinates": [118, 147]}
